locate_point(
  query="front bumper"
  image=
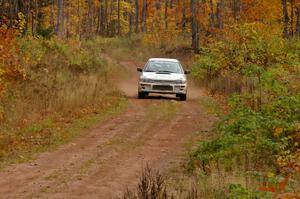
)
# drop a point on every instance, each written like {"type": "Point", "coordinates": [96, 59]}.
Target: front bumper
{"type": "Point", "coordinates": [162, 88]}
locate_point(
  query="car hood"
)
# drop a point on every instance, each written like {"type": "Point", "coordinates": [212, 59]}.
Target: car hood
{"type": "Point", "coordinates": [160, 76]}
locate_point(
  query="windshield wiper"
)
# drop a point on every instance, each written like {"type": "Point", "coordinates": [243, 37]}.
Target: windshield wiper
{"type": "Point", "coordinates": [164, 71]}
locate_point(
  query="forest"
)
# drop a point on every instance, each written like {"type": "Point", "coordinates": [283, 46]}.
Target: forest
{"type": "Point", "coordinates": [245, 53]}
{"type": "Point", "coordinates": [202, 19]}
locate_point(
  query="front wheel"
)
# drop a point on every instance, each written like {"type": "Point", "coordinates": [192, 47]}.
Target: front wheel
{"type": "Point", "coordinates": [182, 97]}
{"type": "Point", "coordinates": [142, 95]}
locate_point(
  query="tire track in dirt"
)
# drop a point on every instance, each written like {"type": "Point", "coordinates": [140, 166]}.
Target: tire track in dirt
{"type": "Point", "coordinates": [109, 157]}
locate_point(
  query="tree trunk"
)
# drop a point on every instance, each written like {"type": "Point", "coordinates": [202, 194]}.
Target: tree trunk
{"type": "Point", "coordinates": [1, 12]}
{"type": "Point", "coordinates": [130, 24]}
{"type": "Point", "coordinates": [90, 17]}
{"type": "Point", "coordinates": [183, 21]}
{"type": "Point", "coordinates": [16, 8]}
{"type": "Point", "coordinates": [298, 21]}
{"type": "Point", "coordinates": [111, 29]}
{"type": "Point", "coordinates": [130, 20]}
{"type": "Point", "coordinates": [292, 3]}
{"type": "Point", "coordinates": [11, 14]}
{"type": "Point", "coordinates": [285, 19]}
{"type": "Point", "coordinates": [119, 18]}
{"type": "Point", "coordinates": [102, 18]}
{"type": "Point", "coordinates": [68, 32]}
{"type": "Point", "coordinates": [194, 26]}
{"type": "Point", "coordinates": [62, 20]}
{"type": "Point", "coordinates": [166, 14]}
{"type": "Point", "coordinates": [236, 9]}
{"type": "Point", "coordinates": [220, 11]}
{"type": "Point", "coordinates": [32, 23]}
{"type": "Point", "coordinates": [211, 14]}
{"type": "Point", "coordinates": [144, 16]}
{"type": "Point", "coordinates": [137, 14]}
{"type": "Point", "coordinates": [99, 18]}
{"type": "Point", "coordinates": [59, 24]}
{"type": "Point", "coordinates": [158, 5]}
{"type": "Point", "coordinates": [27, 16]}
{"type": "Point", "coordinates": [79, 19]}
{"type": "Point", "coordinates": [107, 18]}
{"type": "Point", "coordinates": [171, 4]}
{"type": "Point", "coordinates": [35, 17]}
{"type": "Point", "coordinates": [52, 14]}
{"type": "Point", "coordinates": [22, 6]}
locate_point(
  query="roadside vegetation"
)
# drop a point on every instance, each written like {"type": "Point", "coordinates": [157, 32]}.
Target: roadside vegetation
{"type": "Point", "coordinates": [57, 60]}
{"type": "Point", "coordinates": [259, 137]}
{"type": "Point", "coordinates": [56, 89]}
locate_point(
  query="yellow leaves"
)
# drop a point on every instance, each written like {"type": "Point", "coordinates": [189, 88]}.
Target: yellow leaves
{"type": "Point", "coordinates": [287, 158]}
{"type": "Point", "coordinates": [270, 175]}
{"type": "Point", "coordinates": [264, 10]}
{"type": "Point", "coordinates": [126, 9]}
{"type": "Point", "coordinates": [298, 126]}
{"type": "Point", "coordinates": [278, 131]}
{"type": "Point", "coordinates": [21, 22]}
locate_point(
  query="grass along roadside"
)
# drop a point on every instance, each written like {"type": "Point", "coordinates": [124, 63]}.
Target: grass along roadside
{"type": "Point", "coordinates": [67, 89]}
{"type": "Point", "coordinates": [54, 131]}
{"type": "Point", "coordinates": [179, 181]}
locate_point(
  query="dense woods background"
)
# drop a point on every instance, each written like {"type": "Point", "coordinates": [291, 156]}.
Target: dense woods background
{"type": "Point", "coordinates": [201, 18]}
{"type": "Point", "coordinates": [247, 51]}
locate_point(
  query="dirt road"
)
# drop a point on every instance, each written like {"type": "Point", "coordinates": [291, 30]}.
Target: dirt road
{"type": "Point", "coordinates": [110, 156]}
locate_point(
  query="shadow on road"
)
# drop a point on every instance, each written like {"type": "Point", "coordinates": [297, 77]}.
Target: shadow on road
{"type": "Point", "coordinates": [154, 97]}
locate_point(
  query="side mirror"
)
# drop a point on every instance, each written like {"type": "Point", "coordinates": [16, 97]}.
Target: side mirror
{"type": "Point", "coordinates": [139, 69]}
{"type": "Point", "coordinates": [187, 72]}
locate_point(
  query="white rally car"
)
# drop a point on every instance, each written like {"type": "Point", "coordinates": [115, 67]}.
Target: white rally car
{"type": "Point", "coordinates": [165, 76]}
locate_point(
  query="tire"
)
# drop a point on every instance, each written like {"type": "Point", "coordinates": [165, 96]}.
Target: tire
{"type": "Point", "coordinates": [142, 95]}
{"type": "Point", "coordinates": [182, 97]}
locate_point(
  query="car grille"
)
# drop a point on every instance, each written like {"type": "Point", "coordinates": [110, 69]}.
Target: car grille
{"type": "Point", "coordinates": [164, 81]}
{"type": "Point", "coordinates": [162, 88]}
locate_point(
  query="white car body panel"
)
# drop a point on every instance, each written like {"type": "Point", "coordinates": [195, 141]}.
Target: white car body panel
{"type": "Point", "coordinates": [172, 76]}
{"type": "Point", "coordinates": [165, 83]}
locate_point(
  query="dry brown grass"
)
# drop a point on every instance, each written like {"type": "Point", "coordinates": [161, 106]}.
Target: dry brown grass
{"type": "Point", "coordinates": [67, 83]}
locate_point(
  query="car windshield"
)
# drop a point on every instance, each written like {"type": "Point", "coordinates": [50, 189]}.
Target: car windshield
{"type": "Point", "coordinates": [163, 67]}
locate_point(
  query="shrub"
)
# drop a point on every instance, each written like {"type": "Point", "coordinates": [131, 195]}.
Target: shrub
{"type": "Point", "coordinates": [65, 80]}
{"type": "Point", "coordinates": [262, 126]}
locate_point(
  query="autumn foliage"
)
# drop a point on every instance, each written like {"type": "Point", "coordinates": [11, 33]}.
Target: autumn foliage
{"type": "Point", "coordinates": [246, 51]}
{"type": "Point", "coordinates": [10, 67]}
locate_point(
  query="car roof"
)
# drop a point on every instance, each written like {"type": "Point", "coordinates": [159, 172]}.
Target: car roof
{"type": "Point", "coordinates": [163, 59]}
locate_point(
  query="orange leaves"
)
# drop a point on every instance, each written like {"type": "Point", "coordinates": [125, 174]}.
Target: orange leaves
{"type": "Point", "coordinates": [279, 190]}
{"type": "Point", "coordinates": [278, 131]}
{"type": "Point", "coordinates": [290, 168]}
{"type": "Point", "coordinates": [288, 196]}
{"type": "Point", "coordinates": [10, 67]}
{"type": "Point", "coordinates": [10, 64]}
{"type": "Point", "coordinates": [264, 10]}
{"type": "Point", "coordinates": [14, 74]}
{"type": "Point", "coordinates": [267, 189]}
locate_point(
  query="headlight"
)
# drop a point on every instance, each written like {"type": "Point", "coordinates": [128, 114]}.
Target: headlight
{"type": "Point", "coordinates": [144, 79]}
